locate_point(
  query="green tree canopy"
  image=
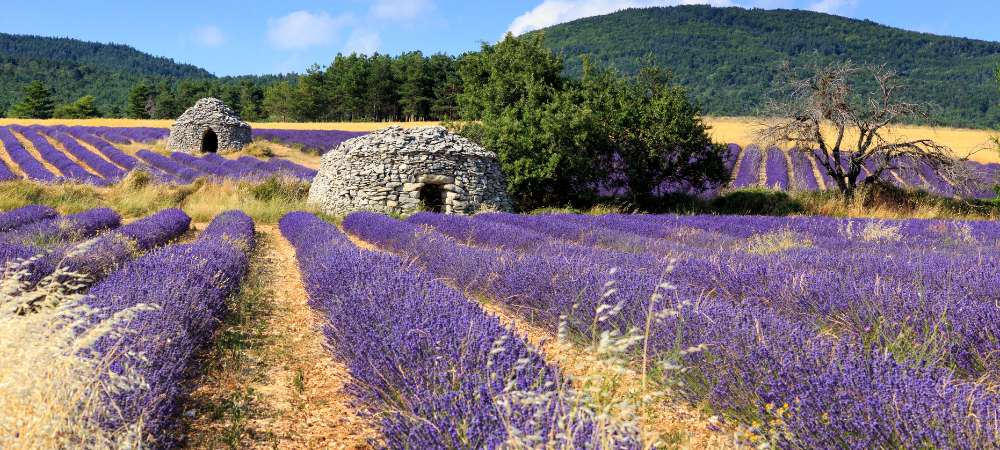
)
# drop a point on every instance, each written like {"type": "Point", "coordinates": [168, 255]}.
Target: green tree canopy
{"type": "Point", "coordinates": [140, 102]}
{"type": "Point", "coordinates": [82, 108]}
{"type": "Point", "coordinates": [36, 104]}
{"type": "Point", "coordinates": [516, 104]}
{"type": "Point", "coordinates": [559, 140]}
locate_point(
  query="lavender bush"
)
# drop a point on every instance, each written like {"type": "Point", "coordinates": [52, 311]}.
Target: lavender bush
{"type": "Point", "coordinates": [776, 169]}
{"type": "Point", "coordinates": [749, 174]}
{"type": "Point", "coordinates": [14, 218]}
{"type": "Point", "coordinates": [188, 285]}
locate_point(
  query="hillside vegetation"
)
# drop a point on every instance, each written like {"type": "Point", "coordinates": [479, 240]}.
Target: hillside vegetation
{"type": "Point", "coordinates": [728, 57]}
{"type": "Point", "coordinates": [72, 68]}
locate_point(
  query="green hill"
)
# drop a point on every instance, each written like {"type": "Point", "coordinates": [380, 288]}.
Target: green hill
{"type": "Point", "coordinates": [727, 57]}
{"type": "Point", "coordinates": [72, 68]}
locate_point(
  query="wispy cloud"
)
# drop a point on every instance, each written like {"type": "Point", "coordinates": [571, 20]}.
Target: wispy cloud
{"type": "Point", "coordinates": [208, 36]}
{"type": "Point", "coordinates": [302, 29]}
{"type": "Point", "coordinates": [551, 12]}
{"type": "Point", "coordinates": [401, 9]}
{"type": "Point", "coordinates": [833, 6]}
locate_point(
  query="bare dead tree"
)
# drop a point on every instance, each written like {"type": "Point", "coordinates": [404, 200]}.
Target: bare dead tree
{"type": "Point", "coordinates": [820, 110]}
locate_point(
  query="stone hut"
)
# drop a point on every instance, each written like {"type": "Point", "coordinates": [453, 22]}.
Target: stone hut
{"type": "Point", "coordinates": [398, 170]}
{"type": "Point", "coordinates": [208, 127]}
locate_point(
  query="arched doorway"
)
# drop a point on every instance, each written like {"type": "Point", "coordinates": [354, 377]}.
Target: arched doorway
{"type": "Point", "coordinates": [432, 198]}
{"type": "Point", "coordinates": [209, 142]}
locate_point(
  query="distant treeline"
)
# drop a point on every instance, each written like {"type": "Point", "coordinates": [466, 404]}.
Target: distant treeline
{"type": "Point", "coordinates": [353, 87]}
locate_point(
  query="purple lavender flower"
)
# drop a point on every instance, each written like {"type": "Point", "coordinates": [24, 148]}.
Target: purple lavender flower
{"type": "Point", "coordinates": [14, 218]}
{"type": "Point", "coordinates": [189, 284]}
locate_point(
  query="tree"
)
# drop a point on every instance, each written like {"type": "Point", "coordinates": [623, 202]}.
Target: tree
{"type": "Point", "coordinates": [819, 111]}
{"type": "Point", "coordinates": [140, 102]}
{"type": "Point", "coordinates": [278, 102]}
{"type": "Point", "coordinates": [416, 87]}
{"type": "Point", "coordinates": [251, 101]}
{"type": "Point", "coordinates": [82, 108]}
{"type": "Point", "coordinates": [657, 135]}
{"type": "Point", "coordinates": [515, 103]}
{"type": "Point", "coordinates": [37, 103]}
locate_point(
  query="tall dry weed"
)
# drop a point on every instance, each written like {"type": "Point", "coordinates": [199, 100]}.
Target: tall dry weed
{"type": "Point", "coordinates": [53, 389]}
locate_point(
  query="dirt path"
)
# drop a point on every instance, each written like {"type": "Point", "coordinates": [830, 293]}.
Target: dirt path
{"type": "Point", "coordinates": [285, 390]}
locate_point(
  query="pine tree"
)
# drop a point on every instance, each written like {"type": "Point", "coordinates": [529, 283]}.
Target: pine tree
{"type": "Point", "coordinates": [37, 103]}
{"type": "Point", "coordinates": [138, 102]}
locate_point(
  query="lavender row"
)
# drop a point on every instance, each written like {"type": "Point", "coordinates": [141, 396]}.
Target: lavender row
{"type": "Point", "coordinates": [749, 174]}
{"type": "Point", "coordinates": [100, 165]}
{"type": "Point", "coordinates": [46, 241]}
{"type": "Point", "coordinates": [175, 169]}
{"type": "Point", "coordinates": [802, 171]}
{"type": "Point", "coordinates": [6, 174]}
{"type": "Point", "coordinates": [410, 340]}
{"type": "Point", "coordinates": [14, 218]}
{"type": "Point", "coordinates": [31, 167]}
{"type": "Point", "coordinates": [100, 256]}
{"type": "Point", "coordinates": [776, 169]}
{"type": "Point", "coordinates": [188, 283]}
{"type": "Point", "coordinates": [319, 141]}
{"type": "Point", "coordinates": [69, 168]}
{"type": "Point", "coordinates": [106, 254]}
{"type": "Point", "coordinates": [61, 230]}
{"type": "Point", "coordinates": [243, 168]}
{"type": "Point", "coordinates": [127, 135]}
{"type": "Point", "coordinates": [840, 393]}
{"type": "Point", "coordinates": [109, 151]}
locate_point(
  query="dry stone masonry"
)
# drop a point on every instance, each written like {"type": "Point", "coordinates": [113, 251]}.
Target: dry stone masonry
{"type": "Point", "coordinates": [398, 170]}
{"type": "Point", "coordinates": [208, 127]}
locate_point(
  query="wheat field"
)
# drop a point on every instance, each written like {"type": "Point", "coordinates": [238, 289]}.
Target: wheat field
{"type": "Point", "coordinates": [739, 130]}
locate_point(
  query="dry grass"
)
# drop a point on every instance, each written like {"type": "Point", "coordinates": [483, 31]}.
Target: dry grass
{"type": "Point", "coordinates": [51, 390]}
{"type": "Point", "coordinates": [741, 131]}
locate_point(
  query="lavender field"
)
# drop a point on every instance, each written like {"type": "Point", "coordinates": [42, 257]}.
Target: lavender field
{"type": "Point", "coordinates": [96, 156]}
{"type": "Point", "coordinates": [805, 332]}
{"type": "Point", "coordinates": [863, 333]}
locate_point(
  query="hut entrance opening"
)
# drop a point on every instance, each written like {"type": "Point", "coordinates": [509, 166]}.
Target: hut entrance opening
{"type": "Point", "coordinates": [432, 198]}
{"type": "Point", "coordinates": [209, 142]}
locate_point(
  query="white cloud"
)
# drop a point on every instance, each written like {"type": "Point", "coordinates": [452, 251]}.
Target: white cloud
{"type": "Point", "coordinates": [551, 12]}
{"type": "Point", "coordinates": [401, 9]}
{"type": "Point", "coordinates": [208, 36]}
{"type": "Point", "coordinates": [833, 6]}
{"type": "Point", "coordinates": [363, 41]}
{"type": "Point", "coordinates": [302, 29]}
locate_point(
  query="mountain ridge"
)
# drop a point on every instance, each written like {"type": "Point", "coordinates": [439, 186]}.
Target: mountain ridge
{"type": "Point", "coordinates": [727, 58]}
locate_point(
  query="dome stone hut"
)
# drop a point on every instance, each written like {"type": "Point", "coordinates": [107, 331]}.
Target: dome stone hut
{"type": "Point", "coordinates": [208, 127]}
{"type": "Point", "coordinates": [398, 170]}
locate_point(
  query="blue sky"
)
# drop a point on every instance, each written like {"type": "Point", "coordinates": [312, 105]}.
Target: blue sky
{"type": "Point", "coordinates": [230, 37]}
